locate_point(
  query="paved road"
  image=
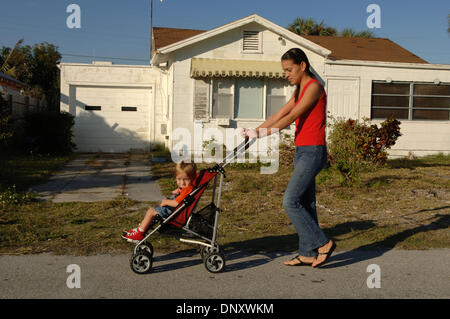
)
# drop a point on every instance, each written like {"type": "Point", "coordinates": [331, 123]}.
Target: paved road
{"type": "Point", "coordinates": [403, 274]}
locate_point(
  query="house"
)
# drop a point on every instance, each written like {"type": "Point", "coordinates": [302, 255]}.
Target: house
{"type": "Point", "coordinates": [231, 77]}
{"type": "Point", "coordinates": [12, 90]}
{"type": "Point", "coordinates": [10, 84]}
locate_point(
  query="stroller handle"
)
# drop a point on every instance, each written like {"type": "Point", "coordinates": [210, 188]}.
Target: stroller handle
{"type": "Point", "coordinates": [237, 150]}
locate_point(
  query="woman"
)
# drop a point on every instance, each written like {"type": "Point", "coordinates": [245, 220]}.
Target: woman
{"type": "Point", "coordinates": [308, 109]}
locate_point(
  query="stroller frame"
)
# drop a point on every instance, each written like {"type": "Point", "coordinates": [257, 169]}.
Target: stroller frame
{"type": "Point", "coordinates": [214, 260]}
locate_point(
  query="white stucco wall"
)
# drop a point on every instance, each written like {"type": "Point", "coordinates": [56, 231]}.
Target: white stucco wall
{"type": "Point", "coordinates": [418, 137]}
{"type": "Point", "coordinates": [118, 85]}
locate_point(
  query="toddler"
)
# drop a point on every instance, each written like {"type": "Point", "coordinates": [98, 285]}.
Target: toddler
{"type": "Point", "coordinates": [185, 174]}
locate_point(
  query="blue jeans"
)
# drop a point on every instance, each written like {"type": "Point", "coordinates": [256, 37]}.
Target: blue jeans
{"type": "Point", "coordinates": [300, 198]}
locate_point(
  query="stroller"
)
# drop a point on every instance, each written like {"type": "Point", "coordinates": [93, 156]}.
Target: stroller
{"type": "Point", "coordinates": [187, 221]}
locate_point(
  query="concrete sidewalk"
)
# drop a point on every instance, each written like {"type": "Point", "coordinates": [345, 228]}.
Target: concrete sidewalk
{"type": "Point", "coordinates": [91, 179]}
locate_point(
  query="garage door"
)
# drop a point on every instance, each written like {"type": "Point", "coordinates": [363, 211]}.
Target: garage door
{"type": "Point", "coordinates": [112, 119]}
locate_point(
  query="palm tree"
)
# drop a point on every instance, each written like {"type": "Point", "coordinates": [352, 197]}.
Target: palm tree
{"type": "Point", "coordinates": [350, 33]}
{"type": "Point", "coordinates": [302, 26]}
{"type": "Point", "coordinates": [323, 30]}
{"type": "Point", "coordinates": [309, 26]}
{"type": "Point", "coordinates": [365, 34]}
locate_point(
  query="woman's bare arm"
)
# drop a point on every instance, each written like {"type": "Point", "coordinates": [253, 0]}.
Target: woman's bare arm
{"type": "Point", "coordinates": [309, 99]}
{"type": "Point", "coordinates": [283, 111]}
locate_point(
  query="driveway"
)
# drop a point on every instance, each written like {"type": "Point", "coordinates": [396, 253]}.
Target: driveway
{"type": "Point", "coordinates": [93, 178]}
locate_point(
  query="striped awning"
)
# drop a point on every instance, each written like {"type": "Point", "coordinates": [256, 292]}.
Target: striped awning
{"type": "Point", "coordinates": [235, 68]}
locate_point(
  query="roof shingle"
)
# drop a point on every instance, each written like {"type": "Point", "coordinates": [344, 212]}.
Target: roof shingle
{"type": "Point", "coordinates": [342, 48]}
{"type": "Point", "coordinates": [166, 36]}
{"type": "Point", "coordinates": [366, 49]}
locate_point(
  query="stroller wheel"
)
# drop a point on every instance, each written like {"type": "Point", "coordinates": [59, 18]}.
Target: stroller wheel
{"type": "Point", "coordinates": [146, 246]}
{"type": "Point", "coordinates": [215, 262]}
{"type": "Point", "coordinates": [141, 262]}
{"type": "Point", "coordinates": [204, 251]}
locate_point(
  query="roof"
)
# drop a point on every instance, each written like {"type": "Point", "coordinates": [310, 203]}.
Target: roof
{"type": "Point", "coordinates": [366, 49]}
{"type": "Point", "coordinates": [201, 35]}
{"type": "Point", "coordinates": [166, 36]}
{"type": "Point", "coordinates": [6, 77]}
{"type": "Point", "coordinates": [342, 48]}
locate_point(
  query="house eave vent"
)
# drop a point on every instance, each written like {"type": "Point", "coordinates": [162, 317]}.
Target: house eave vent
{"type": "Point", "coordinates": [251, 41]}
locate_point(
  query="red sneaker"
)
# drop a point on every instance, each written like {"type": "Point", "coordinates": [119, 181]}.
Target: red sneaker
{"type": "Point", "coordinates": [134, 236]}
{"type": "Point", "coordinates": [126, 232]}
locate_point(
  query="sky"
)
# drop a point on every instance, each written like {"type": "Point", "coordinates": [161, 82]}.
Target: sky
{"type": "Point", "coordinates": [119, 31]}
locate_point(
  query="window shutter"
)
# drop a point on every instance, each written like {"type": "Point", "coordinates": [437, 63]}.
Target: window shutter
{"type": "Point", "coordinates": [251, 41]}
{"type": "Point", "coordinates": [201, 99]}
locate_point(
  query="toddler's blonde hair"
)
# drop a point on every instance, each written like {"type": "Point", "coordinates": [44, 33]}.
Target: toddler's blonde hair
{"type": "Point", "coordinates": [190, 169]}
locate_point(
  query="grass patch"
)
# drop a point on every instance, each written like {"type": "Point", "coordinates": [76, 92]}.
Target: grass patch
{"type": "Point", "coordinates": [25, 171]}
{"type": "Point", "coordinates": [68, 228]}
{"type": "Point", "coordinates": [405, 204]}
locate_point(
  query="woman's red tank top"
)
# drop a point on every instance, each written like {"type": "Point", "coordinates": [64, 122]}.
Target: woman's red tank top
{"type": "Point", "coordinates": [310, 126]}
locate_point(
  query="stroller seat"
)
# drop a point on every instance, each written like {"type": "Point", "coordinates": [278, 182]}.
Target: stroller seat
{"type": "Point", "coordinates": [186, 208]}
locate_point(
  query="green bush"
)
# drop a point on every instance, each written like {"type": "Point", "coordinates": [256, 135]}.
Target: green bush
{"type": "Point", "coordinates": [354, 146]}
{"type": "Point", "coordinates": [45, 133]}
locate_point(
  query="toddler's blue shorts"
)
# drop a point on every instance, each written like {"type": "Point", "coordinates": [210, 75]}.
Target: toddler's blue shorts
{"type": "Point", "coordinates": [164, 211]}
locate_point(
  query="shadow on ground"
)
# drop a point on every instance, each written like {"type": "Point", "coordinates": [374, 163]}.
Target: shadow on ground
{"type": "Point", "coordinates": [230, 256]}
{"type": "Point", "coordinates": [256, 252]}
{"type": "Point", "coordinates": [381, 247]}
{"type": "Point", "coordinates": [239, 254]}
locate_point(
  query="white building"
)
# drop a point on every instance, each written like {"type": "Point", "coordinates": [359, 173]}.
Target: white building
{"type": "Point", "coordinates": [231, 76]}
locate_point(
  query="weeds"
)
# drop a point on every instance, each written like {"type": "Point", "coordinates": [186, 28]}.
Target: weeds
{"type": "Point", "coordinates": [404, 204]}
{"type": "Point", "coordinates": [11, 197]}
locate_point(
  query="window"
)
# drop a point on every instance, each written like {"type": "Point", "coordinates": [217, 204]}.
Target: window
{"type": "Point", "coordinates": [129, 108]}
{"type": "Point", "coordinates": [251, 42]}
{"type": "Point", "coordinates": [249, 98]}
{"type": "Point", "coordinates": [243, 98]}
{"type": "Point", "coordinates": [222, 105]}
{"type": "Point", "coordinates": [431, 102]}
{"type": "Point", "coordinates": [276, 97]}
{"type": "Point", "coordinates": [92, 108]}
{"type": "Point", "coordinates": [411, 101]}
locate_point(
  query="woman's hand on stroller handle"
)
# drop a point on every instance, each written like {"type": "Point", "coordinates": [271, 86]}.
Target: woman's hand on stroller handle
{"type": "Point", "coordinates": [251, 133]}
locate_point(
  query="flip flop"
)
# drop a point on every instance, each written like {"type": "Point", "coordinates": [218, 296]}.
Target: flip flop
{"type": "Point", "coordinates": [301, 263]}
{"type": "Point", "coordinates": [327, 255]}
